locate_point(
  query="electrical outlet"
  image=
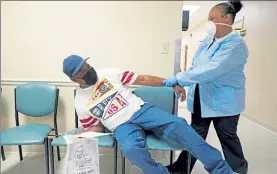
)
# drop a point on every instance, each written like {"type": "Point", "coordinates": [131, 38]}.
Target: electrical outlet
{"type": "Point", "coordinates": [165, 48]}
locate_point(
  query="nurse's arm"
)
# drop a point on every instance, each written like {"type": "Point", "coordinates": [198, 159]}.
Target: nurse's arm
{"type": "Point", "coordinates": [225, 59]}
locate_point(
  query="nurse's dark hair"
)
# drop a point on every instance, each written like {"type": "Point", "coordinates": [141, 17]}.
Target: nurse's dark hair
{"type": "Point", "coordinates": [231, 7]}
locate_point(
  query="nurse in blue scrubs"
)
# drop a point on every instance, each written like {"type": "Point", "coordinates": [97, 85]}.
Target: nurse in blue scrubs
{"type": "Point", "coordinates": [216, 86]}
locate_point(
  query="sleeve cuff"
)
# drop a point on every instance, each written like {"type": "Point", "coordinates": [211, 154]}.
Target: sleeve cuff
{"type": "Point", "coordinates": [179, 77]}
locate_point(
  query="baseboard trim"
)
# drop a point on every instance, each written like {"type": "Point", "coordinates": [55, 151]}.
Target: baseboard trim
{"type": "Point", "coordinates": [265, 125]}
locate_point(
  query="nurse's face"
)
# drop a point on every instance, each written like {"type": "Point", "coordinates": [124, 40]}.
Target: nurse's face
{"type": "Point", "coordinates": [217, 15]}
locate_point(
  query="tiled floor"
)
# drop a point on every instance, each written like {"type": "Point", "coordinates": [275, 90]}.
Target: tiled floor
{"type": "Point", "coordinates": [260, 148]}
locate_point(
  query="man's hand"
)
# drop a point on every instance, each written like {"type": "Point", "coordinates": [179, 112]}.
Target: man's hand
{"type": "Point", "coordinates": [181, 92]}
{"type": "Point", "coordinates": [98, 128]}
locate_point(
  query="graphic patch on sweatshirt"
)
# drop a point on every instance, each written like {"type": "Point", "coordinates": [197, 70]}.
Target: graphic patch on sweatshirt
{"type": "Point", "coordinates": [109, 106]}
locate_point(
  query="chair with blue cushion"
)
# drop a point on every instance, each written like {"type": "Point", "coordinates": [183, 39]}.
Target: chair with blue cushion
{"type": "Point", "coordinates": [106, 141]}
{"type": "Point", "coordinates": [165, 99]}
{"type": "Point", "coordinates": [33, 100]}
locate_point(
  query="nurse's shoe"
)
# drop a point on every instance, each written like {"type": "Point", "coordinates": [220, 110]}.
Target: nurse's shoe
{"type": "Point", "coordinates": [242, 169]}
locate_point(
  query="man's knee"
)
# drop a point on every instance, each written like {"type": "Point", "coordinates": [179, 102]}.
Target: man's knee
{"type": "Point", "coordinates": [180, 121]}
{"type": "Point", "coordinates": [182, 129]}
{"type": "Point", "coordinates": [179, 126]}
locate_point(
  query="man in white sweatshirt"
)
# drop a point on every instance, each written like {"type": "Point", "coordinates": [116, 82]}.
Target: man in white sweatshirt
{"type": "Point", "coordinates": [103, 99]}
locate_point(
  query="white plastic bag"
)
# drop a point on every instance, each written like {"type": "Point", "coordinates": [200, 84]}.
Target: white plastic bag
{"type": "Point", "coordinates": [82, 155]}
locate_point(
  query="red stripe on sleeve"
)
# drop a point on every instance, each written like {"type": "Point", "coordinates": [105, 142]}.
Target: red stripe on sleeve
{"type": "Point", "coordinates": [90, 123]}
{"type": "Point", "coordinates": [124, 76]}
{"type": "Point", "coordinates": [86, 120]}
{"type": "Point", "coordinates": [129, 78]}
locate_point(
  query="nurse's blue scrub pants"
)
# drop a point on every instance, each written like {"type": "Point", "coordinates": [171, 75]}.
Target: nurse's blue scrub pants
{"type": "Point", "coordinates": [131, 138]}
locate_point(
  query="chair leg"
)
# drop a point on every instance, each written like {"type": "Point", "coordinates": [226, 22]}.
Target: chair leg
{"type": "Point", "coordinates": [46, 155]}
{"type": "Point", "coordinates": [20, 152]}
{"type": "Point", "coordinates": [171, 157]}
{"type": "Point", "coordinates": [58, 152]}
{"type": "Point", "coordinates": [122, 163]}
{"type": "Point", "coordinates": [3, 153]}
{"type": "Point", "coordinates": [51, 156]}
{"type": "Point", "coordinates": [115, 158]}
{"type": "Point", "coordinates": [188, 162]}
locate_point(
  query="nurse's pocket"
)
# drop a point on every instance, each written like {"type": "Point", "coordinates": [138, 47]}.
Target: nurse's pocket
{"type": "Point", "coordinates": [223, 98]}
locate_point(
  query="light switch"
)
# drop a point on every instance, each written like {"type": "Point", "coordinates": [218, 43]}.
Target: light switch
{"type": "Point", "coordinates": [165, 48]}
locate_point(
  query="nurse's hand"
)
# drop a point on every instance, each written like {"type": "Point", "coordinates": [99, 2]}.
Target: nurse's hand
{"type": "Point", "coordinates": [181, 92]}
{"type": "Point", "coordinates": [170, 82]}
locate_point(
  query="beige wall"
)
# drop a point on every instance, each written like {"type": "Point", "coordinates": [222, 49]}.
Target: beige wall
{"type": "Point", "coordinates": [261, 68]}
{"type": "Point", "coordinates": [193, 39]}
{"type": "Point", "coordinates": [114, 34]}
{"type": "Point", "coordinates": [36, 36]}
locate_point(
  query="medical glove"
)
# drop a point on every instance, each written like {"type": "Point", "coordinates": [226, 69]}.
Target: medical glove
{"type": "Point", "coordinates": [170, 82]}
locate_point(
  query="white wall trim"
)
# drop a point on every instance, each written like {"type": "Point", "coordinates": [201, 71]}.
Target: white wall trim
{"type": "Point", "coordinates": [33, 80]}
{"type": "Point", "coordinates": [15, 82]}
{"type": "Point", "coordinates": [58, 83]}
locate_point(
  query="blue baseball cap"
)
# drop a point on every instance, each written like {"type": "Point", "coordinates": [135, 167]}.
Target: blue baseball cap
{"type": "Point", "coordinates": [72, 64]}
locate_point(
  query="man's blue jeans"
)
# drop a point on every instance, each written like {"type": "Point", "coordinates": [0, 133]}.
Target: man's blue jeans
{"type": "Point", "coordinates": [131, 138]}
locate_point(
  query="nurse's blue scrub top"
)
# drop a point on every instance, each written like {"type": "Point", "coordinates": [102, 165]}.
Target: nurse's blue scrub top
{"type": "Point", "coordinates": [218, 68]}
